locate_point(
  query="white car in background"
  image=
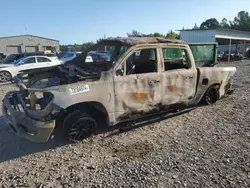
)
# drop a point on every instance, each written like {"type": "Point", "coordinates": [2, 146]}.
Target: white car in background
{"type": "Point", "coordinates": [71, 55]}
{"type": "Point", "coordinates": [52, 56]}
{"type": "Point", "coordinates": [8, 71]}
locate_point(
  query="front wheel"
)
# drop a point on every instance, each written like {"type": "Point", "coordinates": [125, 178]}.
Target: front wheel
{"type": "Point", "coordinates": [79, 126]}
{"type": "Point", "coordinates": [5, 76]}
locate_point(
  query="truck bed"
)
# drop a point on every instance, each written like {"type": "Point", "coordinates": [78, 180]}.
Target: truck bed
{"type": "Point", "coordinates": [208, 76]}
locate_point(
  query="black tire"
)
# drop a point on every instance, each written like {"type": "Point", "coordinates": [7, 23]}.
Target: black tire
{"type": "Point", "coordinates": [212, 95]}
{"type": "Point", "coordinates": [5, 76]}
{"type": "Point", "coordinates": [79, 126]}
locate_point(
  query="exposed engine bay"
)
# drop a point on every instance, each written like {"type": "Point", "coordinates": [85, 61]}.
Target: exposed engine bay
{"type": "Point", "coordinates": [62, 74]}
{"type": "Point", "coordinates": [74, 70]}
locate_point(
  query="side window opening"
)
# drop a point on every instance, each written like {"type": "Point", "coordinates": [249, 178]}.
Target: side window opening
{"type": "Point", "coordinates": [141, 62]}
{"type": "Point", "coordinates": [122, 50]}
{"type": "Point", "coordinates": [30, 60]}
{"type": "Point", "coordinates": [42, 59]}
{"type": "Point", "coordinates": [175, 58]}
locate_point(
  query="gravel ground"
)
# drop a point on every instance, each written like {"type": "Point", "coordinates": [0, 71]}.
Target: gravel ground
{"type": "Point", "coordinates": [206, 147]}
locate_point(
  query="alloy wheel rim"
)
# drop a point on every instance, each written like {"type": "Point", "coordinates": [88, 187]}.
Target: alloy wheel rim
{"type": "Point", "coordinates": [4, 76]}
{"type": "Point", "coordinates": [210, 97]}
{"type": "Point", "coordinates": [82, 129]}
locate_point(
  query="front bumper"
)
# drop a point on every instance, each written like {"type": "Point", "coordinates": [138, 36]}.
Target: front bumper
{"type": "Point", "coordinates": [15, 112]}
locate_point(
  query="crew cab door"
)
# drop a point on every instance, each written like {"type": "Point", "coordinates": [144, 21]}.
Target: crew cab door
{"type": "Point", "coordinates": [137, 83]}
{"type": "Point", "coordinates": [180, 76]}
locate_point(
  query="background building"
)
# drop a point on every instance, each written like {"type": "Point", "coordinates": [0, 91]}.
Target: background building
{"type": "Point", "coordinates": [26, 43]}
{"type": "Point", "coordinates": [227, 39]}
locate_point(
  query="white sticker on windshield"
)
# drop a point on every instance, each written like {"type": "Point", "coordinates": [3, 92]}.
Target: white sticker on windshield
{"type": "Point", "coordinates": [79, 89]}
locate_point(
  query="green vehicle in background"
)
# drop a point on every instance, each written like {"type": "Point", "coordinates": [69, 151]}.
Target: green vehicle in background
{"type": "Point", "coordinates": [205, 54]}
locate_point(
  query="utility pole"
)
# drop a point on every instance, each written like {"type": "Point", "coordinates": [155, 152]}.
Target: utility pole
{"type": "Point", "coordinates": [25, 28]}
{"type": "Point", "coordinates": [229, 49]}
{"type": "Point", "coordinates": [105, 49]}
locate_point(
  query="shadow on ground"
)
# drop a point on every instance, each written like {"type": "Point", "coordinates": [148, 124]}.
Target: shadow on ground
{"type": "Point", "coordinates": [12, 146]}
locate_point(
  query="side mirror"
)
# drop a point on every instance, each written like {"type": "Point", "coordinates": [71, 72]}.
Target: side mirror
{"type": "Point", "coordinates": [119, 72]}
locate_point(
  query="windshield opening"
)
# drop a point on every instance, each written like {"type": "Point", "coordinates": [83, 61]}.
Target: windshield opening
{"type": "Point", "coordinates": [16, 63]}
{"type": "Point", "coordinates": [9, 59]}
{"type": "Point", "coordinates": [100, 56]}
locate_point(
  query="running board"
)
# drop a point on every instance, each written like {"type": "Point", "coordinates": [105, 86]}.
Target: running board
{"type": "Point", "coordinates": [159, 116]}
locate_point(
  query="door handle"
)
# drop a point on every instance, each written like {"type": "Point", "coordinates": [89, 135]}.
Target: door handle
{"type": "Point", "coordinates": [189, 77]}
{"type": "Point", "coordinates": [153, 81]}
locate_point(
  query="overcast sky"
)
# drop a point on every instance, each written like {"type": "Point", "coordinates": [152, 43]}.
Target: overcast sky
{"type": "Point", "coordinates": [78, 21]}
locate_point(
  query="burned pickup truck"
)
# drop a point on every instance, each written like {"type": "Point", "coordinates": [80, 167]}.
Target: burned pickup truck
{"type": "Point", "coordinates": [144, 76]}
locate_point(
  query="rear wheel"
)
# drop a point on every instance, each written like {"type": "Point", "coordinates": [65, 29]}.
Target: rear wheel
{"type": "Point", "coordinates": [211, 95]}
{"type": "Point", "coordinates": [5, 76]}
{"type": "Point", "coordinates": [79, 126]}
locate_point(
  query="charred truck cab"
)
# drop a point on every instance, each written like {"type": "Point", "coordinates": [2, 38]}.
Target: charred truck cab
{"type": "Point", "coordinates": [143, 76]}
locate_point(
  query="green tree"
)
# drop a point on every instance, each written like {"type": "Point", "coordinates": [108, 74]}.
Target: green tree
{"type": "Point", "coordinates": [63, 48]}
{"type": "Point", "coordinates": [86, 45]}
{"type": "Point", "coordinates": [211, 23]}
{"type": "Point", "coordinates": [76, 47]}
{"type": "Point", "coordinates": [172, 35]}
{"type": "Point", "coordinates": [224, 23]}
{"type": "Point", "coordinates": [196, 26]}
{"type": "Point", "coordinates": [98, 40]}
{"type": "Point", "coordinates": [156, 34]}
{"type": "Point", "coordinates": [134, 33]}
{"type": "Point", "coordinates": [241, 22]}
{"type": "Point", "coordinates": [178, 36]}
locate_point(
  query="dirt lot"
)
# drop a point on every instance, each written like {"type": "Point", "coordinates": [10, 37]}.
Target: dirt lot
{"type": "Point", "coordinates": [206, 147]}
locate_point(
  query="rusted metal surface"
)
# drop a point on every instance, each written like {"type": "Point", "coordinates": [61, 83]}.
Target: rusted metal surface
{"type": "Point", "coordinates": [33, 101]}
{"type": "Point", "coordinates": [122, 96]}
{"type": "Point", "coordinates": [143, 40]}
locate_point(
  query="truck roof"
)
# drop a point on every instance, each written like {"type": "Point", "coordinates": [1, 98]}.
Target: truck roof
{"type": "Point", "coordinates": [142, 40]}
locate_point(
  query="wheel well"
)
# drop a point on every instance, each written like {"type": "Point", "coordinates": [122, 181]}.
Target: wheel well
{"type": "Point", "coordinates": [7, 72]}
{"type": "Point", "coordinates": [202, 95]}
{"type": "Point", "coordinates": [95, 109]}
{"type": "Point", "coordinates": [217, 85]}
